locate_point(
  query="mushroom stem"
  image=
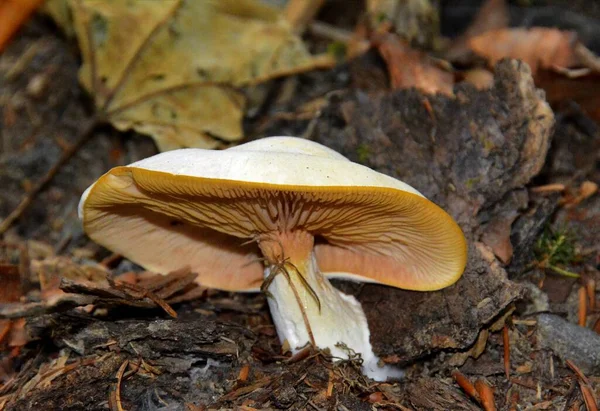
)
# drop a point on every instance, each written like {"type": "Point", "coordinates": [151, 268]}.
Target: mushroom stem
{"type": "Point", "coordinates": [307, 309]}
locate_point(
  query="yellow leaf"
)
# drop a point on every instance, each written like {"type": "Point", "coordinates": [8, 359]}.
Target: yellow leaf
{"type": "Point", "coordinates": [173, 68]}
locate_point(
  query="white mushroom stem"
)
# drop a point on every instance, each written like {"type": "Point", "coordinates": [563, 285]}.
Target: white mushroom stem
{"type": "Point", "coordinates": [328, 317]}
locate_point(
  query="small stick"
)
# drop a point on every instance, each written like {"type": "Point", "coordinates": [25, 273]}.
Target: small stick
{"type": "Point", "coordinates": [582, 306]}
{"type": "Point", "coordinates": [506, 341]}
{"type": "Point", "coordinates": [84, 134]}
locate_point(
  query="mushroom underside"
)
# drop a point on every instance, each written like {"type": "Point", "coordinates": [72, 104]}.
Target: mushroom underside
{"type": "Point", "coordinates": [239, 236]}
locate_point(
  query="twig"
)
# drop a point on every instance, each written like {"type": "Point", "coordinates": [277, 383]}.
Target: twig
{"type": "Point", "coordinates": [84, 134]}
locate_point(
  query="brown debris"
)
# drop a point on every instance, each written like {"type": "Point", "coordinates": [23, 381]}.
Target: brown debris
{"type": "Point", "coordinates": [506, 345]}
{"type": "Point", "coordinates": [244, 372]}
{"type": "Point", "coordinates": [582, 316]}
{"type": "Point", "coordinates": [115, 395]}
{"type": "Point", "coordinates": [411, 68]}
{"type": "Point", "coordinates": [437, 395]}
{"type": "Point", "coordinates": [492, 15]}
{"type": "Point", "coordinates": [151, 291]}
{"type": "Point", "coordinates": [590, 288]}
{"type": "Point", "coordinates": [585, 191]}
{"type": "Point", "coordinates": [466, 385]}
{"type": "Point", "coordinates": [486, 395]}
{"type": "Point", "coordinates": [584, 384]}
{"type": "Point", "coordinates": [538, 47]}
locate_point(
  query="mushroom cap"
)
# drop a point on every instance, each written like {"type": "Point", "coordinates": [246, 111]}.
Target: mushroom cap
{"type": "Point", "coordinates": [200, 207]}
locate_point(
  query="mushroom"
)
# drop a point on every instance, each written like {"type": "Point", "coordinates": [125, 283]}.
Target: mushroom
{"type": "Point", "coordinates": [282, 214]}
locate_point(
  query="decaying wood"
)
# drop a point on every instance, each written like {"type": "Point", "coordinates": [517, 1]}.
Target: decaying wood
{"type": "Point", "coordinates": [467, 154]}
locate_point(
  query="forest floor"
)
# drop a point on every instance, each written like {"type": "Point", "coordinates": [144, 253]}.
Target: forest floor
{"type": "Point", "coordinates": [518, 176]}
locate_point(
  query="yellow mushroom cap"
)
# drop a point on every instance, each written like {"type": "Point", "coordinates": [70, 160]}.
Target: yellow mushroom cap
{"type": "Point", "coordinates": [200, 207]}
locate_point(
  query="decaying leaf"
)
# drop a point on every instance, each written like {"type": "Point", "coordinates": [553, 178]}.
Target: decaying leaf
{"type": "Point", "coordinates": [411, 68]}
{"type": "Point", "coordinates": [538, 47]}
{"type": "Point", "coordinates": [492, 15]}
{"type": "Point", "coordinates": [173, 69]}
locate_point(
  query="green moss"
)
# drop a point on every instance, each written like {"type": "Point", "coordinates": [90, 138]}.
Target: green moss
{"type": "Point", "coordinates": [363, 151]}
{"type": "Point", "coordinates": [555, 249]}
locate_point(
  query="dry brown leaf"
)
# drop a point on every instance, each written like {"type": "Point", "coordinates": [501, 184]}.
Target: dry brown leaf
{"type": "Point", "coordinates": [538, 47]}
{"type": "Point", "coordinates": [174, 69]}
{"type": "Point", "coordinates": [410, 68]}
{"type": "Point", "coordinates": [492, 15]}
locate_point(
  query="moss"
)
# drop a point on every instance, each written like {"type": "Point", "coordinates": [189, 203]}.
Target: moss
{"type": "Point", "coordinates": [555, 249]}
{"type": "Point", "coordinates": [363, 151]}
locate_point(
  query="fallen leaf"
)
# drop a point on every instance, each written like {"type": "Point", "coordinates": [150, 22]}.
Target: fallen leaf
{"type": "Point", "coordinates": [492, 15]}
{"type": "Point", "coordinates": [496, 235]}
{"type": "Point", "coordinates": [174, 69]}
{"type": "Point", "coordinates": [538, 47]}
{"type": "Point", "coordinates": [410, 68]}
